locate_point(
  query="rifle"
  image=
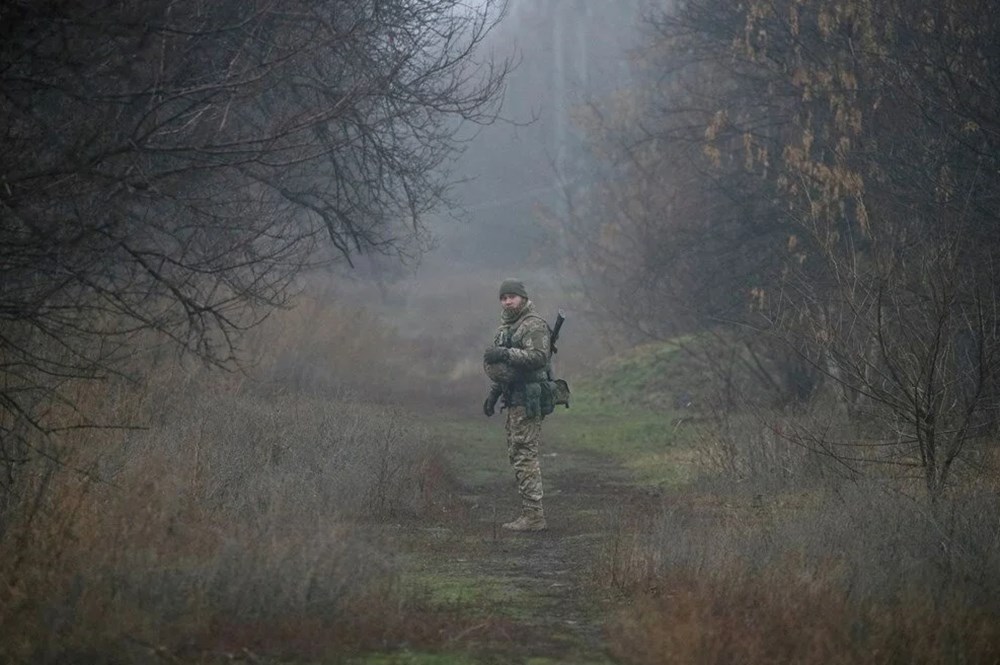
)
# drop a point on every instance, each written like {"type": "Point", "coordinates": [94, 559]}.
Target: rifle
{"type": "Point", "coordinates": [555, 331]}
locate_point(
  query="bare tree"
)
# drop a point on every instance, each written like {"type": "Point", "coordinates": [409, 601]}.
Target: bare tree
{"type": "Point", "coordinates": [169, 166]}
{"type": "Point", "coordinates": [889, 290]}
{"type": "Point", "coordinates": [821, 173]}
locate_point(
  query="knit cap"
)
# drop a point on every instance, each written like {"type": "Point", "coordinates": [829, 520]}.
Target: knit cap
{"type": "Point", "coordinates": [514, 286]}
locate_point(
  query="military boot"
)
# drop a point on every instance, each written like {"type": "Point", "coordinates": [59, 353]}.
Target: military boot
{"type": "Point", "coordinates": [531, 519]}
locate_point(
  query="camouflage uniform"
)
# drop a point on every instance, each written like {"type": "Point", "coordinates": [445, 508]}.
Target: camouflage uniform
{"type": "Point", "coordinates": [522, 451]}
{"type": "Point", "coordinates": [528, 340]}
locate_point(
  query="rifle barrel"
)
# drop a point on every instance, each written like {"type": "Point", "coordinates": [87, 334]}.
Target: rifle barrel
{"type": "Point", "coordinates": [560, 319]}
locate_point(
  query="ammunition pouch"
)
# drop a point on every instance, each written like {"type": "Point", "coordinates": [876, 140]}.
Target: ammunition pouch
{"type": "Point", "coordinates": [533, 400]}
{"type": "Point", "coordinates": [539, 398]}
{"type": "Point", "coordinates": [554, 393]}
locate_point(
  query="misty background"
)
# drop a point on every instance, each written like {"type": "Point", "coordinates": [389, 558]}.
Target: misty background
{"type": "Point", "coordinates": [515, 172]}
{"type": "Point", "coordinates": [249, 259]}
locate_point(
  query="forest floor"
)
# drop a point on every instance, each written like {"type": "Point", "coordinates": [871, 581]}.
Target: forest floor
{"type": "Point", "coordinates": [524, 597]}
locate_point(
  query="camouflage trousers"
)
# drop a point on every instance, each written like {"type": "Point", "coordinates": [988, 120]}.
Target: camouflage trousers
{"type": "Point", "coordinates": [522, 449]}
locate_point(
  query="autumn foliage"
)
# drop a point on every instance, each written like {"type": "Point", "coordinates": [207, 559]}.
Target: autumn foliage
{"type": "Point", "coordinates": [812, 183]}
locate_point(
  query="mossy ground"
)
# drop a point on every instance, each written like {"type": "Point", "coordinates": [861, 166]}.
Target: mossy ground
{"type": "Point", "coordinates": [407, 657]}
{"type": "Point", "coordinates": [422, 658]}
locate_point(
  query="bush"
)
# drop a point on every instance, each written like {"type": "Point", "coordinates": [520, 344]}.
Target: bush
{"type": "Point", "coordinates": [775, 619]}
{"type": "Point", "coordinates": [763, 451]}
{"type": "Point", "coordinates": [853, 573]}
{"type": "Point", "coordinates": [233, 509]}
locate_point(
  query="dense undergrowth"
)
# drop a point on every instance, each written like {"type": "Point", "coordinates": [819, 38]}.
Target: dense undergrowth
{"type": "Point", "coordinates": [244, 517]}
{"type": "Point", "coordinates": [769, 553]}
{"type": "Point", "coordinates": [228, 513]}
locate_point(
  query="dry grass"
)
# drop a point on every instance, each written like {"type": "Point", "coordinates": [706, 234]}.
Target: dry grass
{"type": "Point", "coordinates": [774, 556]}
{"type": "Point", "coordinates": [238, 517]}
{"type": "Point", "coordinates": [850, 573]}
{"type": "Point", "coordinates": [324, 349]}
{"type": "Point", "coordinates": [772, 617]}
{"type": "Point", "coordinates": [242, 512]}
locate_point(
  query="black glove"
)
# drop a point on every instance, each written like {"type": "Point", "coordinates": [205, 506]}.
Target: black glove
{"type": "Point", "coordinates": [496, 354]}
{"type": "Point", "coordinates": [489, 406]}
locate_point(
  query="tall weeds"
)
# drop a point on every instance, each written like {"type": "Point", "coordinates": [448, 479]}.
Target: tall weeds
{"type": "Point", "coordinates": [777, 555]}
{"type": "Point", "coordinates": [233, 513]}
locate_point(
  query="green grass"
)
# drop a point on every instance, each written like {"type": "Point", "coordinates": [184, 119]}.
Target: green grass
{"type": "Point", "coordinates": [627, 408]}
{"type": "Point", "coordinates": [624, 410]}
{"type": "Point", "coordinates": [415, 658]}
{"type": "Point", "coordinates": [653, 445]}
{"type": "Point", "coordinates": [423, 658]}
{"type": "Point", "coordinates": [640, 372]}
{"type": "Point", "coordinates": [477, 448]}
{"type": "Point", "coordinates": [541, 660]}
{"type": "Point", "coordinates": [650, 443]}
{"type": "Point", "coordinates": [656, 375]}
{"type": "Point", "coordinates": [460, 587]}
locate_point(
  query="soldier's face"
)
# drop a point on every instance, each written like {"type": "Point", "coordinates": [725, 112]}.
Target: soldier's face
{"type": "Point", "coordinates": [511, 301]}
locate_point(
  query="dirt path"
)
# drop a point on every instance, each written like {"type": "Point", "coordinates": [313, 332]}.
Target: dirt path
{"type": "Point", "coordinates": [535, 592]}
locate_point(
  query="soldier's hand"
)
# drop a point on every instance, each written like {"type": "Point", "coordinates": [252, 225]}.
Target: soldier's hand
{"type": "Point", "coordinates": [491, 400]}
{"type": "Point", "coordinates": [496, 354]}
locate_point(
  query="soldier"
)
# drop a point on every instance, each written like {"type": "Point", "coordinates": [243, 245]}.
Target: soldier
{"type": "Point", "coordinates": [518, 363]}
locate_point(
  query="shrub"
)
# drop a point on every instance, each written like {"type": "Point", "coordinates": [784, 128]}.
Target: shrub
{"type": "Point", "coordinates": [853, 573]}
{"type": "Point", "coordinates": [234, 509]}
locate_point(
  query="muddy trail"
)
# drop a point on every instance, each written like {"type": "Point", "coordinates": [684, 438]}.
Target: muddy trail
{"type": "Point", "coordinates": [533, 596]}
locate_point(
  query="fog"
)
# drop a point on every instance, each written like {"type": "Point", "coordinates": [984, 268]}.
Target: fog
{"type": "Point", "coordinates": [255, 407]}
{"type": "Point", "coordinates": [569, 53]}
{"type": "Point", "coordinates": [513, 172]}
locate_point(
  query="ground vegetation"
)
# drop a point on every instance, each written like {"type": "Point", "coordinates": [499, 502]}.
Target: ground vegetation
{"type": "Point", "coordinates": [796, 194]}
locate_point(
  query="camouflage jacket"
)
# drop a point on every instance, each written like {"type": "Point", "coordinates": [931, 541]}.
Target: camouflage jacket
{"type": "Point", "coordinates": [529, 340]}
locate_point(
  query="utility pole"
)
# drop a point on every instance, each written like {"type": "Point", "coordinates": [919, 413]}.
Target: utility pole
{"type": "Point", "coordinates": [559, 101]}
{"type": "Point", "coordinates": [571, 21]}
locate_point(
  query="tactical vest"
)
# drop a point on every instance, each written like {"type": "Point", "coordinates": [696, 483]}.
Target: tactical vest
{"type": "Point", "coordinates": [507, 340]}
{"type": "Point", "coordinates": [506, 375]}
{"type": "Point", "coordinates": [533, 389]}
